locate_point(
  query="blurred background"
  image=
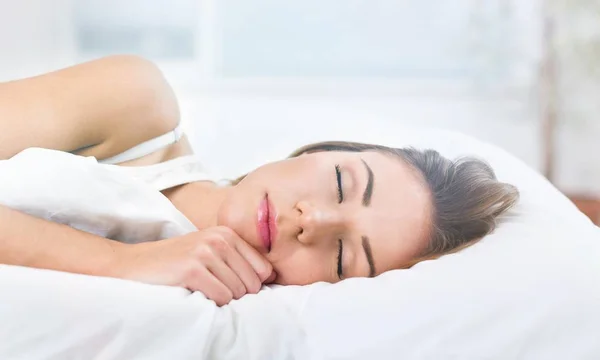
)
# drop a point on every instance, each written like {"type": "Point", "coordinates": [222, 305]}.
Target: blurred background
{"type": "Point", "coordinates": [522, 74]}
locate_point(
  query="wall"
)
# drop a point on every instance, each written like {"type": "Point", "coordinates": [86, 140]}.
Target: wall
{"type": "Point", "coordinates": [36, 36]}
{"type": "Point", "coordinates": [218, 121]}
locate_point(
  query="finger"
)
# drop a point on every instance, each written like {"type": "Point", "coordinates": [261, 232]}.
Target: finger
{"type": "Point", "coordinates": [228, 277]}
{"type": "Point", "coordinates": [236, 261]}
{"type": "Point", "coordinates": [208, 284]}
{"type": "Point", "coordinates": [262, 267]}
{"type": "Point", "coordinates": [244, 271]}
{"type": "Point", "coordinates": [271, 278]}
{"type": "Point", "coordinates": [259, 263]}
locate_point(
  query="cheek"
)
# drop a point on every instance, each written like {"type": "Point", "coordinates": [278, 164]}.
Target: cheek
{"type": "Point", "coordinates": [288, 181]}
{"type": "Point", "coordinates": [303, 267]}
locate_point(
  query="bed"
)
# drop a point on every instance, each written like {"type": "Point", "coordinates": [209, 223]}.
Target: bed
{"type": "Point", "coordinates": [530, 290]}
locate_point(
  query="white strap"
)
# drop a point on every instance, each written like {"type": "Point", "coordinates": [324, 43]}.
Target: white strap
{"type": "Point", "coordinates": [167, 174]}
{"type": "Point", "coordinates": [147, 147]}
{"type": "Point", "coordinates": [174, 172]}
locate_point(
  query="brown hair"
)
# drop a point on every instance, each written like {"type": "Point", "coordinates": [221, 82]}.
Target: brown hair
{"type": "Point", "coordinates": [466, 196]}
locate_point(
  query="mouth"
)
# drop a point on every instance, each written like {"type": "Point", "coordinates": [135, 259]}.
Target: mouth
{"type": "Point", "coordinates": [266, 223]}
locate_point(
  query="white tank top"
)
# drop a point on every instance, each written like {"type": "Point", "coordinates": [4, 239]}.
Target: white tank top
{"type": "Point", "coordinates": [147, 147]}
{"type": "Point", "coordinates": [170, 173]}
{"type": "Point", "coordinates": [165, 175]}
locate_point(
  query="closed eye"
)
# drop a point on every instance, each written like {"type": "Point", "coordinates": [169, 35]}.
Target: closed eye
{"type": "Point", "coordinates": [338, 175]}
{"type": "Point", "coordinates": [340, 269]}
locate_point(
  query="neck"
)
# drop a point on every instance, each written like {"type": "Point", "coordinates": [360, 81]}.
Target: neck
{"type": "Point", "coordinates": [198, 201]}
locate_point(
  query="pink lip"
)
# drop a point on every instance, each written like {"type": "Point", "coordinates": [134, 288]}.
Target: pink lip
{"type": "Point", "coordinates": [266, 224]}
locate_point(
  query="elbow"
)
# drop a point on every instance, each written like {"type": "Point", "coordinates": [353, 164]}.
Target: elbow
{"type": "Point", "coordinates": [152, 101]}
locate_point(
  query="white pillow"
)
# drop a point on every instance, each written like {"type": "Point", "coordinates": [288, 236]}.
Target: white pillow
{"type": "Point", "coordinates": [531, 290]}
{"type": "Point", "coordinates": [528, 291]}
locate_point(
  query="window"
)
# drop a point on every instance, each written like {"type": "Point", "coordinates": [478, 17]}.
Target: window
{"type": "Point", "coordinates": [162, 30]}
{"type": "Point", "coordinates": [344, 38]}
{"type": "Point", "coordinates": [221, 42]}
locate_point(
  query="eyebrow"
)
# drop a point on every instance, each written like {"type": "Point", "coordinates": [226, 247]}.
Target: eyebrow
{"type": "Point", "coordinates": [369, 188]}
{"type": "Point", "coordinates": [366, 244]}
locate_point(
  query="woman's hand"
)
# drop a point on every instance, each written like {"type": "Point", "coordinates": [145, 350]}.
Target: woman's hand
{"type": "Point", "coordinates": [214, 261]}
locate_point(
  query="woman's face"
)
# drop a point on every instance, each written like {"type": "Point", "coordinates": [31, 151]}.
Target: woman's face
{"type": "Point", "coordinates": [328, 216]}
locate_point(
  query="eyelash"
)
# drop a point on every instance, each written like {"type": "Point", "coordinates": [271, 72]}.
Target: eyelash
{"type": "Point", "coordinates": [338, 175]}
{"type": "Point", "coordinates": [340, 272]}
{"type": "Point", "coordinates": [340, 193]}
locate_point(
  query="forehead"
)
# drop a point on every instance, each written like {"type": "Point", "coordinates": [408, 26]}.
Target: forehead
{"type": "Point", "coordinates": [397, 221]}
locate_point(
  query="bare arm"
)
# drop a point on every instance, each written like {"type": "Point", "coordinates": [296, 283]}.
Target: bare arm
{"type": "Point", "coordinates": [28, 241]}
{"type": "Point", "coordinates": [109, 106]}
{"type": "Point", "coordinates": [215, 261]}
{"type": "Point", "coordinates": [101, 108]}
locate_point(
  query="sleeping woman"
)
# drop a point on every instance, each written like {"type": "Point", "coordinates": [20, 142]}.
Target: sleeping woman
{"type": "Point", "coordinates": [330, 211]}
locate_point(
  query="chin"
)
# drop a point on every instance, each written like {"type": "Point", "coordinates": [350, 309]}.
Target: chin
{"type": "Point", "coordinates": [234, 217]}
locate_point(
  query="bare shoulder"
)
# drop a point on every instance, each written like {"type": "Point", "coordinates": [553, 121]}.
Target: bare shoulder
{"type": "Point", "coordinates": [99, 108]}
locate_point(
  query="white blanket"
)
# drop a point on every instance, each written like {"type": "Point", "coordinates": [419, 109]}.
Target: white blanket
{"type": "Point", "coordinates": [154, 321]}
{"type": "Point", "coordinates": [101, 199]}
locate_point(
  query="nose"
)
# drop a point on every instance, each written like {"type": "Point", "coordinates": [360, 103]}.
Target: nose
{"type": "Point", "coordinates": [318, 222]}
